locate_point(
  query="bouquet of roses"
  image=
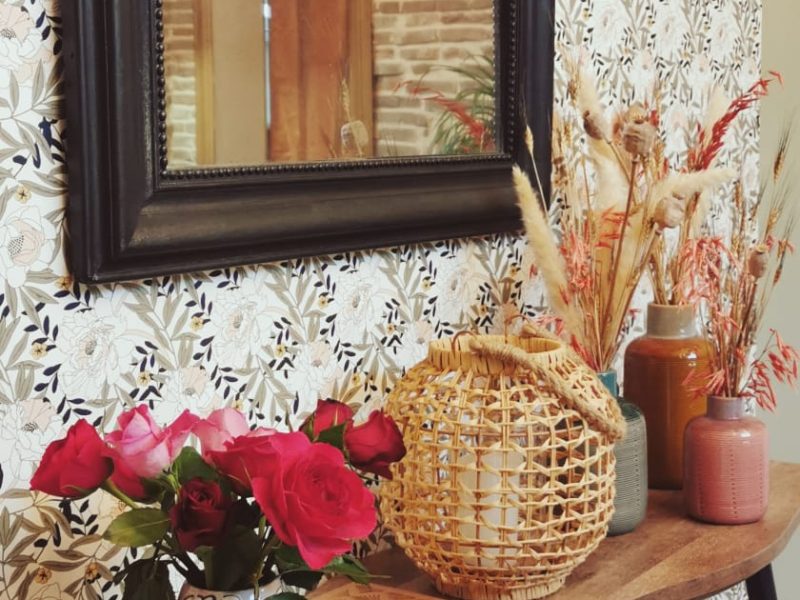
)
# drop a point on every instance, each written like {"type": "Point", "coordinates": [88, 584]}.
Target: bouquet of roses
{"type": "Point", "coordinates": [253, 507]}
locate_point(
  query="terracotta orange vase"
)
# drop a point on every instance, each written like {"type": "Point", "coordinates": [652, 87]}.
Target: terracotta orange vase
{"type": "Point", "coordinates": [656, 368]}
{"type": "Point", "coordinates": [726, 462]}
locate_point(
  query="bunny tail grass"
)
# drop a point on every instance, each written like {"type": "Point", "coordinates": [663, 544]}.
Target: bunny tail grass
{"type": "Point", "coordinates": [545, 252]}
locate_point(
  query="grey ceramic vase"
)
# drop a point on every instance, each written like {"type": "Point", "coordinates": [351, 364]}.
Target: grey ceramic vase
{"type": "Point", "coordinates": [630, 501]}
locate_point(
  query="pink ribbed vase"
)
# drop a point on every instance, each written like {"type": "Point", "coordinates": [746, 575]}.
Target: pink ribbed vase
{"type": "Point", "coordinates": [726, 466]}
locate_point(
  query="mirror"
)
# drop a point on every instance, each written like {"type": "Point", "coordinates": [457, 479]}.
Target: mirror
{"type": "Point", "coordinates": [259, 82]}
{"type": "Point", "coordinates": [312, 128]}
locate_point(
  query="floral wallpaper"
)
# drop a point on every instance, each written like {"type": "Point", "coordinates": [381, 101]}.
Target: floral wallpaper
{"type": "Point", "coordinates": [268, 339]}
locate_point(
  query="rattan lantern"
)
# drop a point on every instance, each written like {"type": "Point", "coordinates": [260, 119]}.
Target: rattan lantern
{"type": "Point", "coordinates": [508, 483]}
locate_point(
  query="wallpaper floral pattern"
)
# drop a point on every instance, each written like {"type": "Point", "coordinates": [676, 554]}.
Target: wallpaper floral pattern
{"type": "Point", "coordinates": [268, 339]}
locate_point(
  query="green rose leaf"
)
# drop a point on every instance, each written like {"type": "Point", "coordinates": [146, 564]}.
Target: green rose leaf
{"type": "Point", "coordinates": [350, 567]}
{"type": "Point", "coordinates": [305, 579]}
{"type": "Point", "coordinates": [138, 527]}
{"type": "Point", "coordinates": [142, 583]}
{"type": "Point", "coordinates": [334, 436]}
{"type": "Point", "coordinates": [190, 465]}
{"type": "Point", "coordinates": [288, 557]}
{"type": "Point", "coordinates": [230, 565]}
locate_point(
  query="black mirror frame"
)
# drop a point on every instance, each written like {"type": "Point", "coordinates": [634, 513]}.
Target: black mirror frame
{"type": "Point", "coordinates": [130, 218]}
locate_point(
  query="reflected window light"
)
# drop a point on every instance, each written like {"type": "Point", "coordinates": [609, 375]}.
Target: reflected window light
{"type": "Point", "coordinates": [267, 17]}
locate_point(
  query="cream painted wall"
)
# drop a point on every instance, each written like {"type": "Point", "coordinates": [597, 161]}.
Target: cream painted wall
{"type": "Point", "coordinates": [780, 52]}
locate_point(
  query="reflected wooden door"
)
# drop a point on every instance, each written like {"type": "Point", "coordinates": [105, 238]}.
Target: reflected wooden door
{"type": "Point", "coordinates": [320, 79]}
{"type": "Point", "coordinates": [231, 82]}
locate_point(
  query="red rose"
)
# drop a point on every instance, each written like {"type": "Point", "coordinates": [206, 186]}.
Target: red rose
{"type": "Point", "coordinates": [312, 500]}
{"type": "Point", "coordinates": [244, 457]}
{"type": "Point", "coordinates": [330, 413]}
{"type": "Point", "coordinates": [374, 445]}
{"type": "Point", "coordinates": [199, 515]}
{"type": "Point", "coordinates": [74, 466]}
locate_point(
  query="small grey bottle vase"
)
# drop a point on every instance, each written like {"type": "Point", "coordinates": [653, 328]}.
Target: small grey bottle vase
{"type": "Point", "coordinates": [630, 501]}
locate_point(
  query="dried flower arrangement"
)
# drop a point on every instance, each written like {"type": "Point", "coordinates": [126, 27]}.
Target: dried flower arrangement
{"type": "Point", "coordinates": [611, 231]}
{"type": "Point", "coordinates": [734, 281]}
{"type": "Point", "coordinates": [669, 272]}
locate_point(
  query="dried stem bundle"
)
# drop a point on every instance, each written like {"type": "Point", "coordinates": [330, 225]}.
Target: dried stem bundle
{"type": "Point", "coordinates": [609, 228]}
{"type": "Point", "coordinates": [735, 280]}
{"type": "Point", "coordinates": [668, 270]}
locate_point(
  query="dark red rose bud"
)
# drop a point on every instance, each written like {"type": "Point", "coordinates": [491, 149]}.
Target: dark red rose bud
{"type": "Point", "coordinates": [74, 466]}
{"type": "Point", "coordinates": [200, 513]}
{"type": "Point", "coordinates": [374, 445]}
{"type": "Point", "coordinates": [330, 413]}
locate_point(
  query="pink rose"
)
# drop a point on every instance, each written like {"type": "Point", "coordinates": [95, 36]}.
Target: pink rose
{"type": "Point", "coordinates": [221, 426]}
{"type": "Point", "coordinates": [146, 448]}
{"type": "Point", "coordinates": [329, 413]}
{"type": "Point", "coordinates": [312, 500]}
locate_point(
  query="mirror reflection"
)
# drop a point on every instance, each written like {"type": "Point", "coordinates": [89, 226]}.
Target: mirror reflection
{"type": "Point", "coordinates": [253, 82]}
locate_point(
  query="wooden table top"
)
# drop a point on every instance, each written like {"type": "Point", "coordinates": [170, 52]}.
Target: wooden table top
{"type": "Point", "coordinates": [668, 557]}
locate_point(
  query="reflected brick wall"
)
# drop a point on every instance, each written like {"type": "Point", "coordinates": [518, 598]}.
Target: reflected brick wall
{"type": "Point", "coordinates": [415, 38]}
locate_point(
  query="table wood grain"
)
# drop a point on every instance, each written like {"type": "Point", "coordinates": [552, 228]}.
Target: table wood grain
{"type": "Point", "coordinates": [669, 557]}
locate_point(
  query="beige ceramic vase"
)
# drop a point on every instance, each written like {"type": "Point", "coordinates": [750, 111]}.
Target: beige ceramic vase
{"type": "Point", "coordinates": [727, 470]}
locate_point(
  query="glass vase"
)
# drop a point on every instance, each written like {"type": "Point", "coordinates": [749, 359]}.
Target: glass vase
{"type": "Point", "coordinates": [657, 366]}
{"type": "Point", "coordinates": [727, 466]}
{"type": "Point", "coordinates": [630, 501]}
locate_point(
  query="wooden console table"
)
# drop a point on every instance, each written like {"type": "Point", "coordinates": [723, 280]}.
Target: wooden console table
{"type": "Point", "coordinates": [669, 557]}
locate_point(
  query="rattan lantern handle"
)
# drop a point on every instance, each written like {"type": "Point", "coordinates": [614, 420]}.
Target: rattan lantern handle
{"type": "Point", "coordinates": [569, 376]}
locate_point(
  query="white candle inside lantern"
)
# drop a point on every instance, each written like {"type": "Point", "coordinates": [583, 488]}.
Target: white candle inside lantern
{"type": "Point", "coordinates": [483, 512]}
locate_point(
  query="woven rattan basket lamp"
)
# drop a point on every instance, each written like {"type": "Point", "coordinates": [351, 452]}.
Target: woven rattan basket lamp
{"type": "Point", "coordinates": [508, 483]}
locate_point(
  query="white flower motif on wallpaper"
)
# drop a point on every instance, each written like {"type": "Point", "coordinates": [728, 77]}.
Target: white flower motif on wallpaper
{"type": "Point", "coordinates": [457, 284]}
{"type": "Point", "coordinates": [49, 592]}
{"type": "Point", "coordinates": [27, 242]}
{"type": "Point", "coordinates": [724, 32]}
{"type": "Point", "coordinates": [21, 46]}
{"type": "Point", "coordinates": [97, 348]}
{"type": "Point", "coordinates": [191, 389]}
{"type": "Point", "coordinates": [273, 338]}
{"type": "Point", "coordinates": [608, 21]}
{"type": "Point", "coordinates": [642, 69]}
{"type": "Point", "coordinates": [316, 372]}
{"type": "Point", "coordinates": [414, 342]}
{"type": "Point", "coordinates": [360, 298]}
{"type": "Point", "coordinates": [241, 323]}
{"type": "Point", "coordinates": [28, 427]}
{"type": "Point", "coordinates": [671, 29]}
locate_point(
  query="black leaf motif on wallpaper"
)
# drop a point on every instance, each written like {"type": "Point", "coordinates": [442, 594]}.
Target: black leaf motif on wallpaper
{"type": "Point", "coordinates": [46, 127]}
